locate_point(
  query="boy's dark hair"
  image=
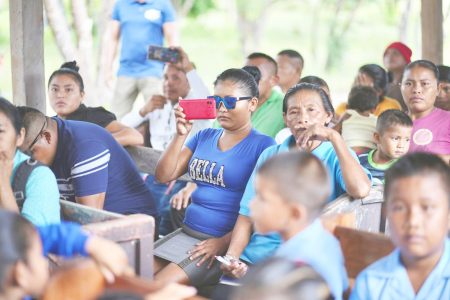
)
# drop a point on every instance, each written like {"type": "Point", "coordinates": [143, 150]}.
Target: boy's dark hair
{"type": "Point", "coordinates": [423, 63]}
{"type": "Point", "coordinates": [418, 164]}
{"type": "Point", "coordinates": [299, 177]}
{"type": "Point", "coordinates": [311, 87]}
{"type": "Point", "coordinates": [268, 58]}
{"type": "Point", "coordinates": [15, 242]}
{"type": "Point", "coordinates": [69, 68]}
{"type": "Point", "coordinates": [254, 71]}
{"type": "Point", "coordinates": [390, 118]}
{"type": "Point", "coordinates": [11, 112]}
{"type": "Point", "coordinates": [293, 54]}
{"type": "Point", "coordinates": [362, 98]}
{"type": "Point", "coordinates": [283, 278]}
{"type": "Point", "coordinates": [379, 77]}
{"type": "Point", "coordinates": [243, 79]}
{"type": "Point", "coordinates": [444, 73]}
{"type": "Point", "coordinates": [315, 80]}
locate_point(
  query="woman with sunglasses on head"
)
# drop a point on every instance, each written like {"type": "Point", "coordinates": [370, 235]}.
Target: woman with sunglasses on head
{"type": "Point", "coordinates": [220, 162]}
{"type": "Point", "coordinates": [66, 94]}
{"type": "Point", "coordinates": [40, 195]}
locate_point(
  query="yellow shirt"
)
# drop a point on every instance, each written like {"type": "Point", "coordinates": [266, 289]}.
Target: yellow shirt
{"type": "Point", "coordinates": [387, 103]}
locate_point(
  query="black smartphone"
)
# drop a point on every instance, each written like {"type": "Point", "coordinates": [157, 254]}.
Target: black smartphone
{"type": "Point", "coordinates": [163, 54]}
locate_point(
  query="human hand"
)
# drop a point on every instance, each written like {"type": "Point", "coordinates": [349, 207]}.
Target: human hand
{"type": "Point", "coordinates": [208, 249]}
{"type": "Point", "coordinates": [155, 102]}
{"type": "Point", "coordinates": [313, 133]}
{"type": "Point", "coordinates": [172, 291]}
{"type": "Point", "coordinates": [6, 167]}
{"type": "Point", "coordinates": [236, 268]}
{"type": "Point", "coordinates": [183, 126]}
{"type": "Point", "coordinates": [184, 63]}
{"type": "Point", "coordinates": [109, 256]}
{"type": "Point", "coordinates": [182, 198]}
{"type": "Point", "coordinates": [363, 79]}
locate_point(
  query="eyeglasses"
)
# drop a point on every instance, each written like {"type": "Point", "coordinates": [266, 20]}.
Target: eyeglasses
{"type": "Point", "coordinates": [228, 101]}
{"type": "Point", "coordinates": [36, 139]}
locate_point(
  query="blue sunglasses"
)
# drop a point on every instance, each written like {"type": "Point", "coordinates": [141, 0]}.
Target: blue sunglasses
{"type": "Point", "coordinates": [228, 101]}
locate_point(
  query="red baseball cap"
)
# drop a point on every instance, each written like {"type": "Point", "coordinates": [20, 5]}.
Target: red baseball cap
{"type": "Point", "coordinates": [404, 50]}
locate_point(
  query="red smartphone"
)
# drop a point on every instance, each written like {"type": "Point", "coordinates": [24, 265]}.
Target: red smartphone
{"type": "Point", "coordinates": [163, 54]}
{"type": "Point", "coordinates": [198, 109]}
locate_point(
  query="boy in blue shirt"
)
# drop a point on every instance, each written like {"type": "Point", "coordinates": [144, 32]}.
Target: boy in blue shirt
{"type": "Point", "coordinates": [91, 168]}
{"type": "Point", "coordinates": [291, 190]}
{"type": "Point", "coordinates": [392, 136]}
{"type": "Point", "coordinates": [417, 195]}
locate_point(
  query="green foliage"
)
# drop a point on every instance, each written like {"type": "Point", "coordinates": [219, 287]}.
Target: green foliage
{"type": "Point", "coordinates": [200, 7]}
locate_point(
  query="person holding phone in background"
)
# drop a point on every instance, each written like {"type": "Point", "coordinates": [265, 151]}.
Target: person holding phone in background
{"type": "Point", "coordinates": [137, 24]}
{"type": "Point", "coordinates": [180, 80]}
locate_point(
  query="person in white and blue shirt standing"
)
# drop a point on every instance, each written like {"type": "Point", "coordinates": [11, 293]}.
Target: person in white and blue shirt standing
{"type": "Point", "coordinates": [90, 166]}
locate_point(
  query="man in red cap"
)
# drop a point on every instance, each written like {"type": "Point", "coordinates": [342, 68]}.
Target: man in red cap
{"type": "Point", "coordinates": [396, 56]}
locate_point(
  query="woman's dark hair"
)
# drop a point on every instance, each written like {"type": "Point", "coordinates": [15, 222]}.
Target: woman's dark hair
{"type": "Point", "coordinates": [379, 77]}
{"type": "Point", "coordinates": [254, 71]}
{"type": "Point", "coordinates": [423, 63]}
{"type": "Point", "coordinates": [444, 73]}
{"type": "Point", "coordinates": [11, 113]}
{"type": "Point", "coordinates": [308, 87]}
{"type": "Point", "coordinates": [418, 164]}
{"type": "Point", "coordinates": [314, 80]}
{"type": "Point", "coordinates": [15, 241]}
{"type": "Point", "coordinates": [243, 79]}
{"type": "Point", "coordinates": [283, 278]}
{"type": "Point", "coordinates": [362, 98]}
{"type": "Point", "coordinates": [69, 68]}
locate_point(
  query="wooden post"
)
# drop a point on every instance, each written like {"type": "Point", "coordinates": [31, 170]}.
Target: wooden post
{"type": "Point", "coordinates": [27, 52]}
{"type": "Point", "coordinates": [432, 31]}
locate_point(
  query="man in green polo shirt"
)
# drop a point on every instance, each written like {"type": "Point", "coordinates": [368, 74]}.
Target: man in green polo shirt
{"type": "Point", "coordinates": [268, 117]}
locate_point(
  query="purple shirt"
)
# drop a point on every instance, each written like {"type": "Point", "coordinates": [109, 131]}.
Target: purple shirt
{"type": "Point", "coordinates": [431, 133]}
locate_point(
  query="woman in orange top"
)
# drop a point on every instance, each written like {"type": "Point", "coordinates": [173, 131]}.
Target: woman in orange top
{"type": "Point", "coordinates": [374, 76]}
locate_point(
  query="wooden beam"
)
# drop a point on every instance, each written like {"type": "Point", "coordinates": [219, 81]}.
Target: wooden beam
{"type": "Point", "coordinates": [432, 30]}
{"type": "Point", "coordinates": [27, 53]}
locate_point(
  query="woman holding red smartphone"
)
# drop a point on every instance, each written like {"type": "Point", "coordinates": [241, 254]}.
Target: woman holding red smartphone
{"type": "Point", "coordinates": [219, 161]}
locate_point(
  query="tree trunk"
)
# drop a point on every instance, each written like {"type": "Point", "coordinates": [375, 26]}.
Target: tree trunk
{"type": "Point", "coordinates": [432, 31]}
{"type": "Point", "coordinates": [83, 28]}
{"type": "Point", "coordinates": [104, 92]}
{"type": "Point", "coordinates": [58, 24]}
{"type": "Point", "coordinates": [403, 28]}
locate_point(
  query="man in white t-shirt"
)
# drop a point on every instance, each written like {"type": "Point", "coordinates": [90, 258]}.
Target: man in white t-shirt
{"type": "Point", "coordinates": [180, 80]}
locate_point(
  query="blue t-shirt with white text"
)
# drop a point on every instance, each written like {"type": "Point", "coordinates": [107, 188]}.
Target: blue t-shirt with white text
{"type": "Point", "coordinates": [221, 177]}
{"type": "Point", "coordinates": [141, 25]}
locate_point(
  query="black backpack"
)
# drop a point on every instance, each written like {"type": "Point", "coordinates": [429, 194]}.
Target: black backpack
{"type": "Point", "coordinates": [20, 179]}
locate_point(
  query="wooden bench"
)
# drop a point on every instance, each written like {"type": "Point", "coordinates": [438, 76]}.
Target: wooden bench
{"type": "Point", "coordinates": [361, 248]}
{"type": "Point", "coordinates": [146, 159]}
{"type": "Point", "coordinates": [367, 212]}
{"type": "Point", "coordinates": [133, 232]}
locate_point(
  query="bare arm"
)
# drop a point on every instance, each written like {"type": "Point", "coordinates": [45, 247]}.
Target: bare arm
{"type": "Point", "coordinates": [124, 135]}
{"type": "Point", "coordinates": [7, 199]}
{"type": "Point", "coordinates": [240, 237]}
{"type": "Point", "coordinates": [170, 30]}
{"type": "Point", "coordinates": [95, 201]}
{"type": "Point", "coordinates": [356, 181]}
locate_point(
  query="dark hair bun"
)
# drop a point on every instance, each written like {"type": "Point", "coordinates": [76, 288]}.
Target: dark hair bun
{"type": "Point", "coordinates": [70, 65]}
{"type": "Point", "coordinates": [254, 71]}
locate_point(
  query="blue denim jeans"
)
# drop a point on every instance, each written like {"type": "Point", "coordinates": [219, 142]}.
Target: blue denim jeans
{"type": "Point", "coordinates": [162, 197]}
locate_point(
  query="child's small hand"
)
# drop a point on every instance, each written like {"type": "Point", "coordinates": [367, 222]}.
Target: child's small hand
{"type": "Point", "coordinates": [109, 255]}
